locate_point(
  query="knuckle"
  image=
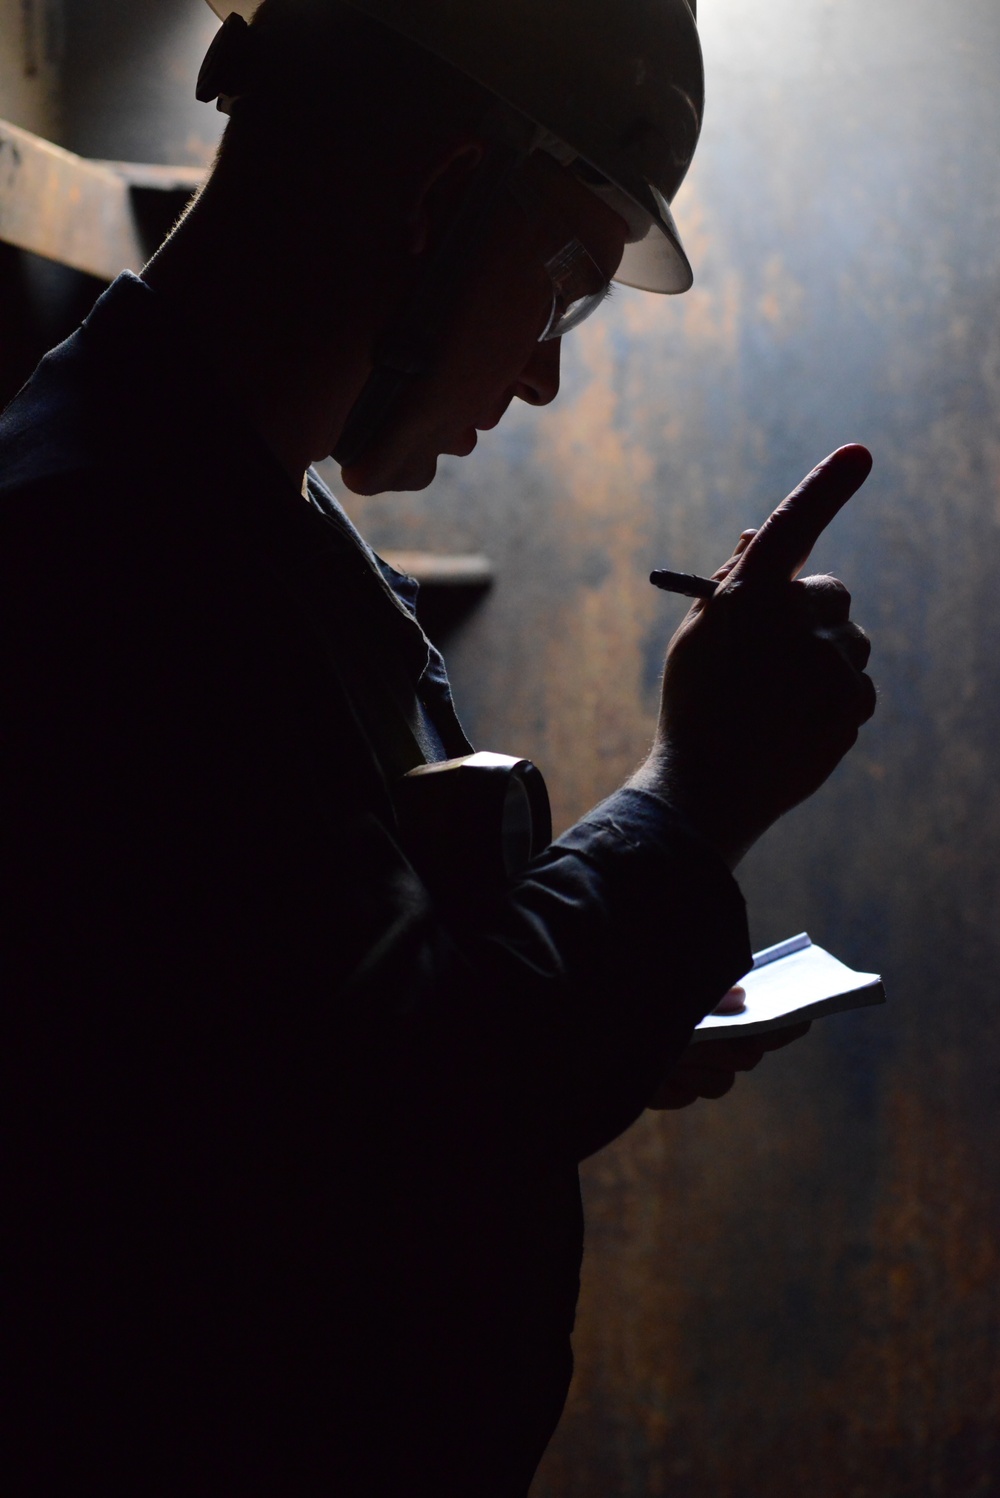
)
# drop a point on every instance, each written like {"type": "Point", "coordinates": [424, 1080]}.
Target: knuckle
{"type": "Point", "coordinates": [751, 1059]}
{"type": "Point", "coordinates": [869, 699]}
{"type": "Point", "coordinates": [824, 588]}
{"type": "Point", "coordinates": [849, 640]}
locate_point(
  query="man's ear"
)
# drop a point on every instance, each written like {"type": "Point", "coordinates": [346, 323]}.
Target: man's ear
{"type": "Point", "coordinates": [439, 192]}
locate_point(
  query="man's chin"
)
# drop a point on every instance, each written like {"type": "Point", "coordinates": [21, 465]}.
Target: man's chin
{"type": "Point", "coordinates": [369, 475]}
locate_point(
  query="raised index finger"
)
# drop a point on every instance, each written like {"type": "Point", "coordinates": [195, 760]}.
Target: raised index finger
{"type": "Point", "coordinates": [786, 538]}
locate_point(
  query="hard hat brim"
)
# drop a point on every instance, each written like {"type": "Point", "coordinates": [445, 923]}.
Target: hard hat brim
{"type": "Point", "coordinates": [657, 262]}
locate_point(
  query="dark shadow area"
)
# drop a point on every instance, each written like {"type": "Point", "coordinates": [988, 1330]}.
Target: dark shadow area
{"type": "Point", "coordinates": [442, 608]}
{"type": "Point", "coordinates": [156, 211]}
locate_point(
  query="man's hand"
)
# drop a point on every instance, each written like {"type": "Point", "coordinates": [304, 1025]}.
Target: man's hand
{"type": "Point", "coordinates": [708, 1069]}
{"type": "Point", "coordinates": [764, 687]}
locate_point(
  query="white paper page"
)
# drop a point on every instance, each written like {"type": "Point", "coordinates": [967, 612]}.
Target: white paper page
{"type": "Point", "coordinates": [786, 989]}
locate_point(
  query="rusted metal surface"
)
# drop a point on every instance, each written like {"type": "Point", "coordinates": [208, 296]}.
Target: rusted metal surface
{"type": "Point", "coordinates": [31, 36]}
{"type": "Point", "coordinates": [55, 204]}
{"type": "Point", "coordinates": [128, 81]}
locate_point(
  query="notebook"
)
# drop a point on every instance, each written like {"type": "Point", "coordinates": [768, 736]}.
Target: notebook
{"type": "Point", "coordinates": [789, 983]}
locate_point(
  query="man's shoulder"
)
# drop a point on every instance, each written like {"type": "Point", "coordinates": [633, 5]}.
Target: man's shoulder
{"type": "Point", "coordinates": [43, 431]}
{"type": "Point", "coordinates": [126, 393]}
{"type": "Point", "coordinates": [73, 416]}
{"type": "Point", "coordinates": [111, 437]}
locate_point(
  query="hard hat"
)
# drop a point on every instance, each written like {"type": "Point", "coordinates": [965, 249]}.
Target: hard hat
{"type": "Point", "coordinates": [618, 86]}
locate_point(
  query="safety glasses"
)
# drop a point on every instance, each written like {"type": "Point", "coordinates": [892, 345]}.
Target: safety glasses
{"type": "Point", "coordinates": [571, 271]}
{"type": "Point", "coordinates": [579, 286]}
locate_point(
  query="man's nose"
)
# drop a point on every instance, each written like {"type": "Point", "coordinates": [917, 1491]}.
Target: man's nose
{"type": "Point", "coordinates": [539, 380]}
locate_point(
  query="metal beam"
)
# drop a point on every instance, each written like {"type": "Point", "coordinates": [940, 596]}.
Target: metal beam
{"type": "Point", "coordinates": [434, 570]}
{"type": "Point", "coordinates": [64, 207]}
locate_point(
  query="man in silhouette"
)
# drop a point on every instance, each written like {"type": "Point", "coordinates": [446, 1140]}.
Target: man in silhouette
{"type": "Point", "coordinates": [293, 1146]}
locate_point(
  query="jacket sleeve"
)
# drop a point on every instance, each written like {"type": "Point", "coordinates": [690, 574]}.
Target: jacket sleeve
{"type": "Point", "coordinates": [567, 1000]}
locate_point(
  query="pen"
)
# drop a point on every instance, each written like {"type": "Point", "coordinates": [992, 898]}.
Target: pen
{"type": "Point", "coordinates": [687, 583]}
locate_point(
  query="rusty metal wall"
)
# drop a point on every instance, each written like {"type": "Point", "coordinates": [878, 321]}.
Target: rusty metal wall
{"type": "Point", "coordinates": [112, 79]}
{"type": "Point", "coordinates": [792, 1292]}
{"type": "Point", "coordinates": [31, 55]}
{"type": "Point", "coordinates": [128, 81]}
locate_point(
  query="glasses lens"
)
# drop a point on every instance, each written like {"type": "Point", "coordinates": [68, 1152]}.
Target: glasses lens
{"type": "Point", "coordinates": [578, 287]}
{"type": "Point", "coordinates": [564, 319]}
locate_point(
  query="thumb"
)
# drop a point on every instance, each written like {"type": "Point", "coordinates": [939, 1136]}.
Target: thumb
{"type": "Point", "coordinates": [783, 543]}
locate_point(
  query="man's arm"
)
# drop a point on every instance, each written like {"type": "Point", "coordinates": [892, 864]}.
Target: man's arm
{"type": "Point", "coordinates": [624, 935]}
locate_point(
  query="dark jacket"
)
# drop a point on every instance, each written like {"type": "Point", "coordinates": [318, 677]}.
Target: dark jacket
{"type": "Point", "coordinates": [293, 1147]}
